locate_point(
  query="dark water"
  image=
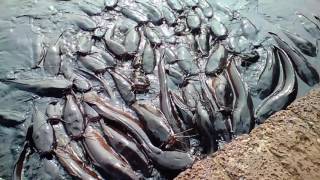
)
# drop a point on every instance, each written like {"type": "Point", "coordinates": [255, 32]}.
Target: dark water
{"type": "Point", "coordinates": [46, 19]}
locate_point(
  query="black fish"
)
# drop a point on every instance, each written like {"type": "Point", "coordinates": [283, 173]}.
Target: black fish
{"type": "Point", "coordinates": [269, 76]}
{"type": "Point", "coordinates": [54, 112]}
{"type": "Point", "coordinates": [165, 104]}
{"type": "Point", "coordinates": [52, 60]}
{"type": "Point", "coordinates": [185, 60]}
{"type": "Point", "coordinates": [51, 87]}
{"type": "Point", "coordinates": [124, 86]}
{"type": "Point", "coordinates": [155, 122]}
{"type": "Point", "coordinates": [93, 63]}
{"type": "Point", "coordinates": [311, 27]}
{"type": "Point", "coordinates": [153, 13]}
{"type": "Point", "coordinates": [304, 69]}
{"type": "Point", "coordinates": [184, 111]}
{"type": "Point", "coordinates": [190, 95]}
{"type": "Point", "coordinates": [149, 60]}
{"type": "Point", "coordinates": [132, 14]}
{"type": "Point", "coordinates": [206, 129]}
{"type": "Point", "coordinates": [203, 40]}
{"type": "Point", "coordinates": [242, 115]}
{"type": "Point", "coordinates": [105, 157]}
{"type": "Point", "coordinates": [222, 91]}
{"type": "Point", "coordinates": [305, 46]}
{"type": "Point", "coordinates": [285, 92]}
{"type": "Point", "coordinates": [222, 126]}
{"type": "Point", "coordinates": [73, 118]}
{"type": "Point", "coordinates": [216, 60]}
{"type": "Point", "coordinates": [132, 41]}
{"type": "Point", "coordinates": [173, 160]}
{"type": "Point", "coordinates": [26, 151]}
{"type": "Point", "coordinates": [83, 22]}
{"type": "Point", "coordinates": [42, 133]}
{"type": "Point", "coordinates": [75, 166]}
{"type": "Point", "coordinates": [127, 147]}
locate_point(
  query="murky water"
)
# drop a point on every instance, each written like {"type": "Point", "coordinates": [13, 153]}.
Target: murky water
{"type": "Point", "coordinates": [25, 23]}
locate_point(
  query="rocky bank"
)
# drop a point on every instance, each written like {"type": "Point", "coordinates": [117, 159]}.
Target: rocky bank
{"type": "Point", "coordinates": [286, 146]}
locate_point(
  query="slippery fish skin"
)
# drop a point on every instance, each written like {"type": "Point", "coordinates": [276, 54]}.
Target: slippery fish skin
{"type": "Point", "coordinates": [52, 60]}
{"type": "Point", "coordinates": [110, 3]}
{"type": "Point", "coordinates": [218, 29]}
{"type": "Point", "coordinates": [193, 20]}
{"type": "Point", "coordinates": [116, 47]}
{"type": "Point", "coordinates": [173, 160]}
{"type": "Point", "coordinates": [84, 45]}
{"type": "Point", "coordinates": [285, 92]}
{"type": "Point", "coordinates": [83, 22]}
{"type": "Point", "coordinates": [124, 86]}
{"type": "Point", "coordinates": [203, 41]}
{"type": "Point", "coordinates": [305, 46]}
{"type": "Point", "coordinates": [42, 134]}
{"type": "Point", "coordinates": [93, 63]}
{"type": "Point", "coordinates": [242, 114]}
{"type": "Point", "coordinates": [89, 113]}
{"type": "Point", "coordinates": [127, 113]}
{"type": "Point", "coordinates": [127, 147]}
{"type": "Point", "coordinates": [190, 3]}
{"type": "Point", "coordinates": [74, 166]}
{"type": "Point", "coordinates": [90, 10]}
{"type": "Point", "coordinates": [175, 5]}
{"type": "Point", "coordinates": [175, 74]}
{"type": "Point", "coordinates": [137, 16]}
{"type": "Point", "coordinates": [148, 58]}
{"type": "Point", "coordinates": [54, 111]}
{"type": "Point", "coordinates": [109, 60]}
{"type": "Point", "coordinates": [185, 60]}
{"type": "Point", "coordinates": [270, 74]}
{"type": "Point", "coordinates": [183, 110]}
{"type": "Point", "coordinates": [304, 69]}
{"type": "Point", "coordinates": [81, 84]}
{"type": "Point", "coordinates": [310, 26]}
{"type": "Point", "coordinates": [73, 117]}
{"type": "Point", "coordinates": [248, 29]}
{"type": "Point", "coordinates": [206, 128]}
{"type": "Point", "coordinates": [222, 92]}
{"type": "Point", "coordinates": [165, 104]}
{"type": "Point", "coordinates": [26, 151]}
{"type": "Point", "coordinates": [168, 15]}
{"type": "Point", "coordinates": [63, 140]}
{"type": "Point", "coordinates": [132, 41]}
{"type": "Point", "coordinates": [153, 13]}
{"type": "Point", "coordinates": [152, 35]}
{"type": "Point", "coordinates": [190, 95]}
{"type": "Point", "coordinates": [105, 157]}
{"type": "Point", "coordinates": [206, 8]}
{"type": "Point", "coordinates": [221, 124]}
{"type": "Point", "coordinates": [215, 60]}
{"type": "Point", "coordinates": [154, 121]}
{"type": "Point", "coordinates": [52, 87]}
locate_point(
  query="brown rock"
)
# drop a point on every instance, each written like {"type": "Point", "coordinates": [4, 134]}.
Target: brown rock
{"type": "Point", "coordinates": [286, 146]}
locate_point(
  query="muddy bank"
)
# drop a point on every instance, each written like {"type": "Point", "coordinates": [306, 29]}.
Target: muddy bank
{"type": "Point", "coordinates": [287, 146]}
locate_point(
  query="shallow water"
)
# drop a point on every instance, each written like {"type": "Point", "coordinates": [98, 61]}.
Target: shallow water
{"type": "Point", "coordinates": [25, 23]}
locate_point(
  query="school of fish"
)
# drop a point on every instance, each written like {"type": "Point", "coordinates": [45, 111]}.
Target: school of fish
{"type": "Point", "coordinates": [146, 91]}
